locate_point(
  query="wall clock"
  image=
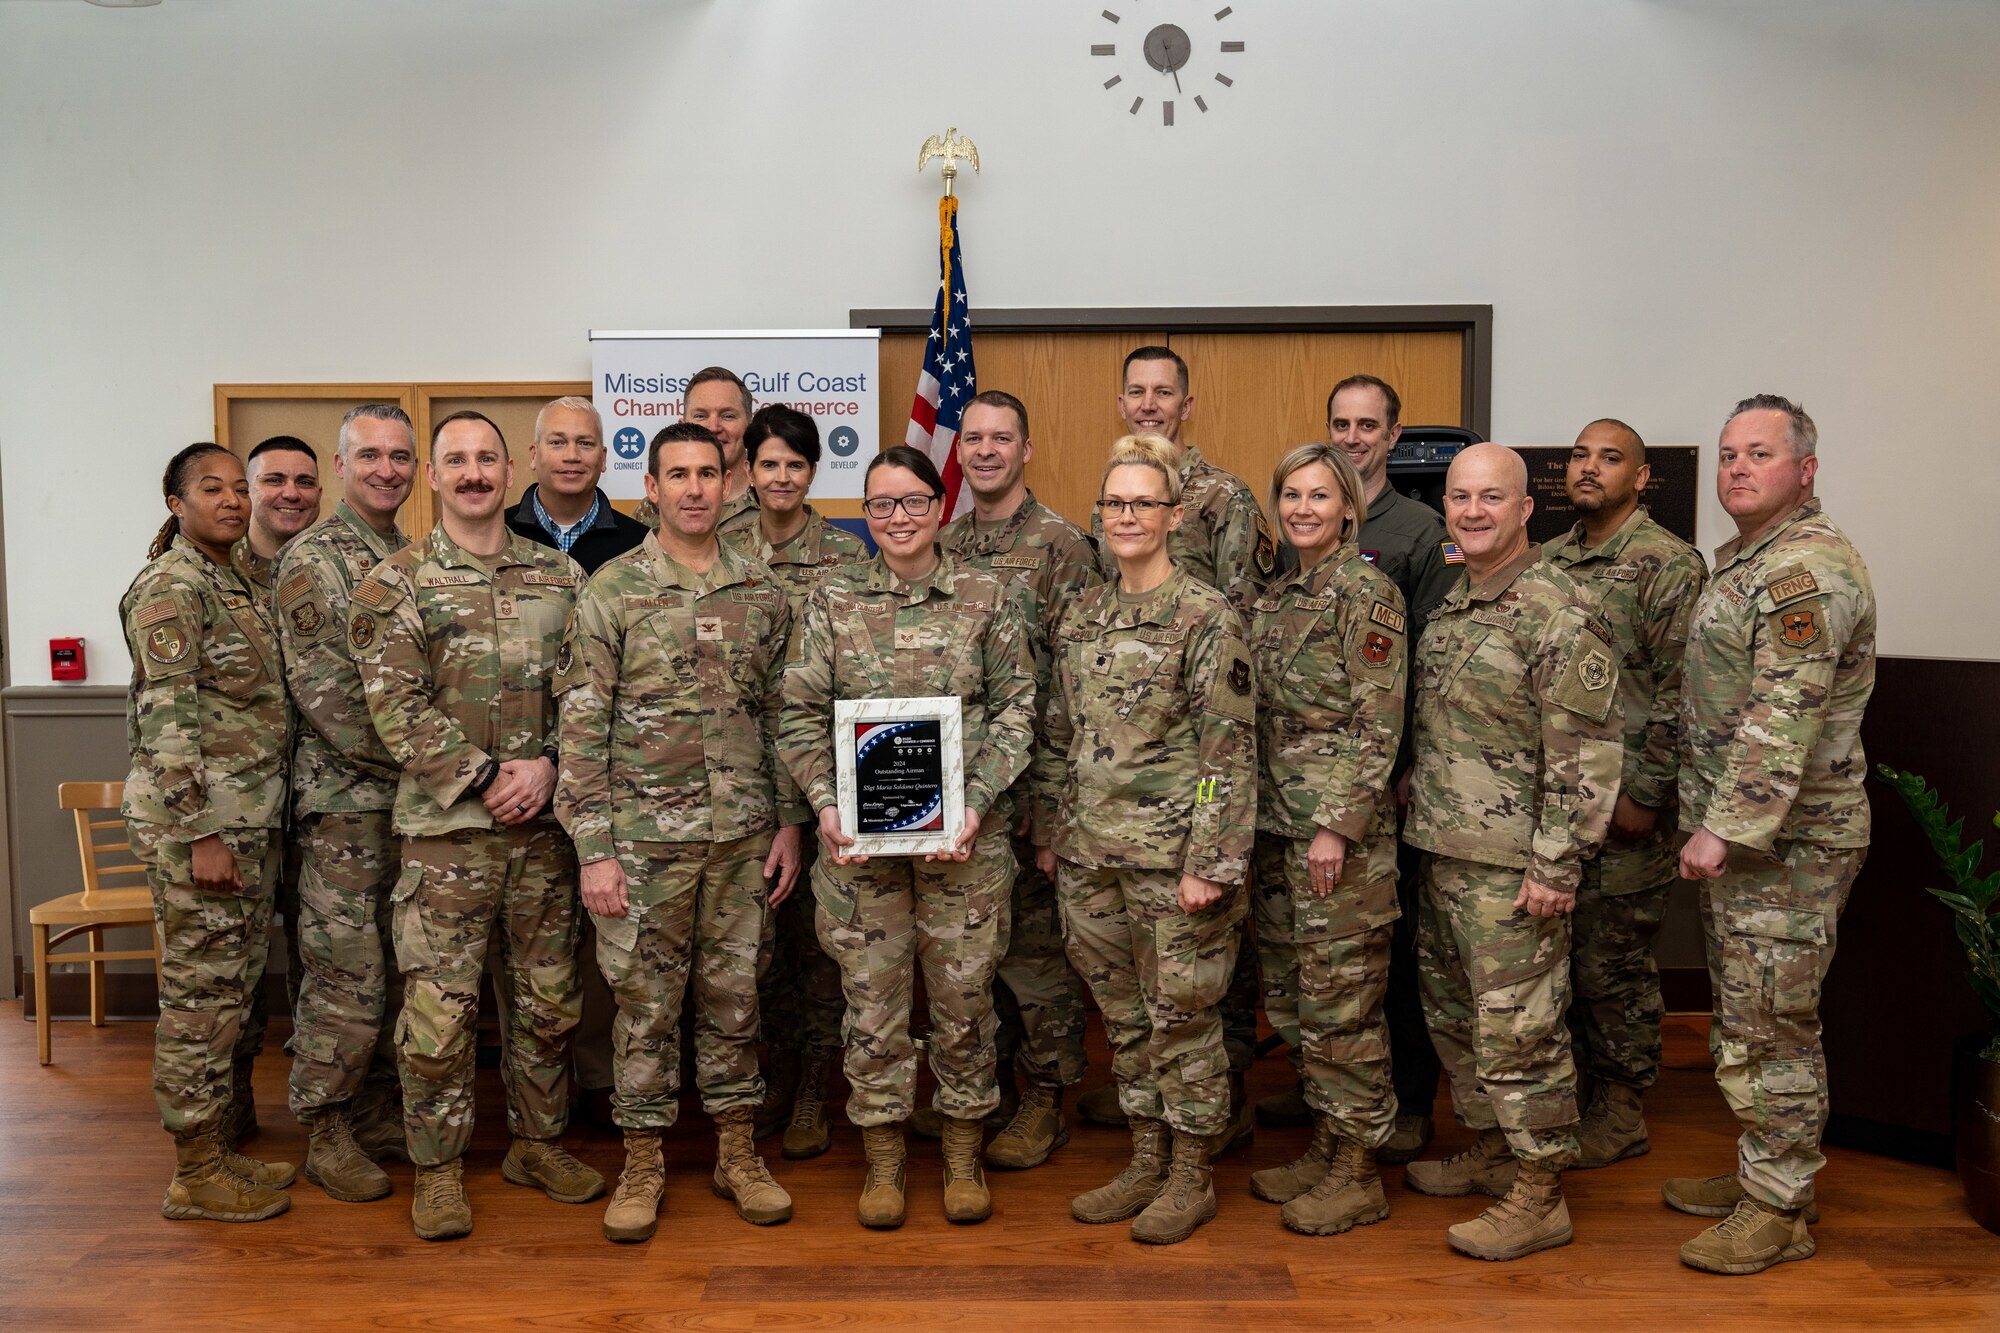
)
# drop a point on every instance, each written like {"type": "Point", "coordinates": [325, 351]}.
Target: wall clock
{"type": "Point", "coordinates": [1170, 55]}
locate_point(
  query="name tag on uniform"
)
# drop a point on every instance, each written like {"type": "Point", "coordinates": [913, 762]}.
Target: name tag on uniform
{"type": "Point", "coordinates": [447, 580]}
{"type": "Point", "coordinates": [549, 580]}
{"type": "Point", "coordinates": [708, 629]}
{"type": "Point", "coordinates": [1017, 562]}
{"type": "Point", "coordinates": [503, 606]}
{"type": "Point", "coordinates": [1623, 573]}
{"type": "Point", "coordinates": [907, 638]}
{"type": "Point", "coordinates": [1315, 603]}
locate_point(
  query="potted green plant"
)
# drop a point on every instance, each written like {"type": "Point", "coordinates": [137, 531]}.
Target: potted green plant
{"type": "Point", "coordinates": [1975, 902]}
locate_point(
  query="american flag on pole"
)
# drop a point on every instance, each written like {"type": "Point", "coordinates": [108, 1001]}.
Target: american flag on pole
{"type": "Point", "coordinates": [947, 381]}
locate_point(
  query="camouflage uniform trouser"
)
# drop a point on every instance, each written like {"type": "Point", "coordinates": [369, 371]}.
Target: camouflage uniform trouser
{"type": "Point", "coordinates": [1325, 963]}
{"type": "Point", "coordinates": [1159, 975]}
{"type": "Point", "coordinates": [1040, 1002]}
{"type": "Point", "coordinates": [1770, 923]}
{"type": "Point", "coordinates": [883, 920]}
{"type": "Point", "coordinates": [212, 951]}
{"type": "Point", "coordinates": [1496, 987]}
{"type": "Point", "coordinates": [798, 993]}
{"type": "Point", "coordinates": [695, 910]}
{"type": "Point", "coordinates": [459, 895]}
{"type": "Point", "coordinates": [1614, 1017]}
{"type": "Point", "coordinates": [344, 1024]}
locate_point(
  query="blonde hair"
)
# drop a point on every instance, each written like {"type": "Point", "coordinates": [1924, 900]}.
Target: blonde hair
{"type": "Point", "coordinates": [1344, 473]}
{"type": "Point", "coordinates": [1154, 451]}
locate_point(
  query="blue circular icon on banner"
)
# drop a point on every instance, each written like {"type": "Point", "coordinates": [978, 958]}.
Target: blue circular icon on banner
{"type": "Point", "coordinates": [843, 440]}
{"type": "Point", "coordinates": [629, 442]}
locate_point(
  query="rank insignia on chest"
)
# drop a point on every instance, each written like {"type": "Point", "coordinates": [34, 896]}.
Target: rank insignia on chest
{"type": "Point", "coordinates": [306, 618]}
{"type": "Point", "coordinates": [907, 638]}
{"type": "Point", "coordinates": [504, 608]}
{"type": "Point", "coordinates": [166, 644]}
{"type": "Point", "coordinates": [361, 632]}
{"type": "Point", "coordinates": [1375, 648]}
{"type": "Point", "coordinates": [1594, 670]}
{"type": "Point", "coordinates": [1452, 555]}
{"type": "Point", "coordinates": [1799, 629]}
{"type": "Point", "coordinates": [708, 629]}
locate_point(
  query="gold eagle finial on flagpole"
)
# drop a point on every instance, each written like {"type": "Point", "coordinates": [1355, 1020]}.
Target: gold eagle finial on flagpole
{"type": "Point", "coordinates": [953, 147]}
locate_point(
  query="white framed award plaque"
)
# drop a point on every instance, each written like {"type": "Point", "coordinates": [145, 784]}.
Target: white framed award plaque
{"type": "Point", "coordinates": [899, 770]}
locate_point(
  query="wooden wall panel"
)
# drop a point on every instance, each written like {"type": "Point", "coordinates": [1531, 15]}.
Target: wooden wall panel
{"type": "Point", "coordinates": [1256, 395]}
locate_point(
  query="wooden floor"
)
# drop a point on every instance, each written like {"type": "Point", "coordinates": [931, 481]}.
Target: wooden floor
{"type": "Point", "coordinates": [82, 1245]}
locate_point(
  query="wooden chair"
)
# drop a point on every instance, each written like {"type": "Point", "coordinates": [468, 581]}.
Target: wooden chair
{"type": "Point", "coordinates": [114, 894]}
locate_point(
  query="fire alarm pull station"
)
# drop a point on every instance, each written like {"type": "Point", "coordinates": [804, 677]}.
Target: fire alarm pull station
{"type": "Point", "coordinates": [66, 659]}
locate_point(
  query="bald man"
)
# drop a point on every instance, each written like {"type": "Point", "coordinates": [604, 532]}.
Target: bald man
{"type": "Point", "coordinates": [1644, 582]}
{"type": "Point", "coordinates": [1516, 762]}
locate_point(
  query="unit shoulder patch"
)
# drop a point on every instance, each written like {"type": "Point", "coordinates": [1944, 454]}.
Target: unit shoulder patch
{"type": "Point", "coordinates": [361, 631]}
{"type": "Point", "coordinates": [1584, 686]}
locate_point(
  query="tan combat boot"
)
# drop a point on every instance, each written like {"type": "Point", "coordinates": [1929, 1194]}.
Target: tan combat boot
{"type": "Point", "coordinates": [1487, 1166]}
{"type": "Point", "coordinates": [1100, 1106]}
{"type": "Point", "coordinates": [809, 1135]}
{"type": "Point", "coordinates": [1407, 1140]}
{"type": "Point", "coordinates": [1037, 1129]}
{"type": "Point", "coordinates": [928, 1123]}
{"type": "Point", "coordinates": [1241, 1131]}
{"type": "Point", "coordinates": [1751, 1239]}
{"type": "Point", "coordinates": [1287, 1109]}
{"type": "Point", "coordinates": [335, 1162]}
{"type": "Point", "coordinates": [1713, 1196]}
{"type": "Point", "coordinates": [204, 1188]}
{"type": "Point", "coordinates": [439, 1210]}
{"type": "Point", "coordinates": [545, 1165]}
{"type": "Point", "coordinates": [1613, 1129]}
{"type": "Point", "coordinates": [1187, 1199]}
{"type": "Point", "coordinates": [1348, 1195]}
{"type": "Point", "coordinates": [882, 1204]}
{"type": "Point", "coordinates": [1132, 1189]}
{"type": "Point", "coordinates": [1282, 1184]}
{"type": "Point", "coordinates": [634, 1212]}
{"type": "Point", "coordinates": [740, 1174]}
{"type": "Point", "coordinates": [1532, 1217]}
{"type": "Point", "coordinates": [966, 1198]}
{"type": "Point", "coordinates": [781, 1084]}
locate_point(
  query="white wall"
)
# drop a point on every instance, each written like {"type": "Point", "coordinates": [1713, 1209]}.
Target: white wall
{"type": "Point", "coordinates": [1668, 203]}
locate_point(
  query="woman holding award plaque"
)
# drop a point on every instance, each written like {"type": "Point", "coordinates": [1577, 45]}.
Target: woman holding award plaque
{"type": "Point", "coordinates": [941, 653]}
{"type": "Point", "coordinates": [1330, 648]}
{"type": "Point", "coordinates": [1152, 756]}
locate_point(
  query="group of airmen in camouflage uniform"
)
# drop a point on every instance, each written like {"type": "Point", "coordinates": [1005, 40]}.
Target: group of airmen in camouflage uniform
{"type": "Point", "coordinates": [1425, 786]}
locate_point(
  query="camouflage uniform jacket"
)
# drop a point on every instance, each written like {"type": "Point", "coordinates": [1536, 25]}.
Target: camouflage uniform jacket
{"type": "Point", "coordinates": [1644, 582]}
{"type": "Point", "coordinates": [669, 684]}
{"type": "Point", "coordinates": [1152, 759]}
{"type": "Point", "coordinates": [1780, 663]}
{"type": "Point", "coordinates": [1517, 745]}
{"type": "Point", "coordinates": [867, 634]}
{"type": "Point", "coordinates": [1331, 667]}
{"type": "Point", "coordinates": [1224, 541]}
{"type": "Point", "coordinates": [339, 765]}
{"type": "Point", "coordinates": [815, 553]}
{"type": "Point", "coordinates": [260, 574]}
{"type": "Point", "coordinates": [207, 717]}
{"type": "Point", "coordinates": [456, 659]}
